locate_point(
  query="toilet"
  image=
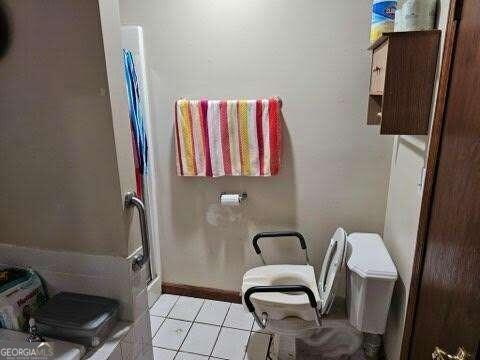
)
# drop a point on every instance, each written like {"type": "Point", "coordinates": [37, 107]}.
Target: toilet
{"type": "Point", "coordinates": [288, 301]}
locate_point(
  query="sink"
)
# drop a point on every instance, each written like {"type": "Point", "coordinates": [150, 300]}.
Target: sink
{"type": "Point", "coordinates": [62, 350]}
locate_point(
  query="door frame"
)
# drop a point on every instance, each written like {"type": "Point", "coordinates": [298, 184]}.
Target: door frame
{"type": "Point", "coordinates": [430, 172]}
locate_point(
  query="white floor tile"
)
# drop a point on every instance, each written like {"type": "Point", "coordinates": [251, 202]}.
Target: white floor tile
{"type": "Point", "coordinates": [187, 356]}
{"type": "Point", "coordinates": [155, 322]}
{"type": "Point", "coordinates": [257, 346]}
{"type": "Point", "coordinates": [231, 344]}
{"type": "Point", "coordinates": [238, 318]}
{"type": "Point", "coordinates": [186, 308]}
{"type": "Point", "coordinates": [163, 305]}
{"type": "Point", "coordinates": [201, 339]}
{"type": "Point", "coordinates": [163, 354]}
{"type": "Point", "coordinates": [171, 334]}
{"type": "Point", "coordinates": [213, 312]}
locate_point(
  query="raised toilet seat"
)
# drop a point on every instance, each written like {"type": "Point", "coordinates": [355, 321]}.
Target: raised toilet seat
{"type": "Point", "coordinates": [293, 299]}
{"type": "Point", "coordinates": [288, 301]}
{"type": "Point", "coordinates": [281, 305]}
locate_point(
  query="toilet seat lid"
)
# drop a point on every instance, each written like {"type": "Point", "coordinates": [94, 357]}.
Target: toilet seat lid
{"type": "Point", "coordinates": [332, 263]}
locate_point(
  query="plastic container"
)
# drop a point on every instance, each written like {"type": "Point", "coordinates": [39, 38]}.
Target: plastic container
{"type": "Point", "coordinates": [399, 19]}
{"type": "Point", "coordinates": [82, 319]}
{"type": "Point", "coordinates": [419, 15]}
{"type": "Point", "coordinates": [383, 18]}
{"type": "Point", "coordinates": [21, 293]}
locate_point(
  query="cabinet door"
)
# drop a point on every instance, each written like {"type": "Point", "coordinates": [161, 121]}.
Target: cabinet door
{"type": "Point", "coordinates": [379, 65]}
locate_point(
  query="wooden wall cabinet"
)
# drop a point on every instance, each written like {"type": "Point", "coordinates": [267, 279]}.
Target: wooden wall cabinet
{"type": "Point", "coordinates": [402, 80]}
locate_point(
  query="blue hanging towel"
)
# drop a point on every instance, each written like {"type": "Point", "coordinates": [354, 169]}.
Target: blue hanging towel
{"type": "Point", "coordinates": [135, 111]}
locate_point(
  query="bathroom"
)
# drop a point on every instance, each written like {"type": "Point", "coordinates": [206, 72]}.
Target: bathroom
{"type": "Point", "coordinates": [173, 250]}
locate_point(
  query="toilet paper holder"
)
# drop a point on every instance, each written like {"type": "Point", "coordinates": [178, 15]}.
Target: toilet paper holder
{"type": "Point", "coordinates": [242, 197]}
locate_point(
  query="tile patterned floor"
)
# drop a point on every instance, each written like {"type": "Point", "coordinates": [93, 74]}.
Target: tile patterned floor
{"type": "Point", "coordinates": [186, 328]}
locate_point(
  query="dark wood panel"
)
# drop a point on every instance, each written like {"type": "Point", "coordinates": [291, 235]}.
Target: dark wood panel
{"type": "Point", "coordinates": [434, 142]}
{"type": "Point", "coordinates": [409, 81]}
{"type": "Point", "coordinates": [448, 306]}
{"type": "Point", "coordinates": [201, 292]}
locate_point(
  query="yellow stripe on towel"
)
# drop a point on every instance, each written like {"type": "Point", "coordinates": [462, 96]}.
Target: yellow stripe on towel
{"type": "Point", "coordinates": [243, 130]}
{"type": "Point", "coordinates": [187, 137]}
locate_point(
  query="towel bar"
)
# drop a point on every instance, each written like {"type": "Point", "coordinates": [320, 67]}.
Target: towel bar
{"type": "Point", "coordinates": [278, 97]}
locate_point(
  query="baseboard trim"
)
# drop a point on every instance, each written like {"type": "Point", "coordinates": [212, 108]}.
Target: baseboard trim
{"type": "Point", "coordinates": [201, 292]}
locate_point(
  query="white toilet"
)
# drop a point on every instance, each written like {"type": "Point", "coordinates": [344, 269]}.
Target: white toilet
{"type": "Point", "coordinates": [288, 301]}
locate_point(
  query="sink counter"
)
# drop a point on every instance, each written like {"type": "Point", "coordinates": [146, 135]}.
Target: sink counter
{"type": "Point", "coordinates": [62, 350]}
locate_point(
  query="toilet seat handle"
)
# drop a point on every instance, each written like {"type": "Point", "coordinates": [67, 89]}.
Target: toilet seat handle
{"type": "Point", "coordinates": [280, 289]}
{"type": "Point", "coordinates": [274, 234]}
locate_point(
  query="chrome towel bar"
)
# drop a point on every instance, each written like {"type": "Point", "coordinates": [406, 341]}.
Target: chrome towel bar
{"type": "Point", "coordinates": [131, 199]}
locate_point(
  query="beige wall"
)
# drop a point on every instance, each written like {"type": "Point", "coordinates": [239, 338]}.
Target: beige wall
{"type": "Point", "coordinates": [402, 215]}
{"type": "Point", "coordinates": [335, 168]}
{"type": "Point", "coordinates": [60, 176]}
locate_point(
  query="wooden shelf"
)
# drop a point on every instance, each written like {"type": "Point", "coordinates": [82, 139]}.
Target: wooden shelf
{"type": "Point", "coordinates": [401, 83]}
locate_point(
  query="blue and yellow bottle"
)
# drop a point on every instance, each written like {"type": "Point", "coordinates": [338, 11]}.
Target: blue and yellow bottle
{"type": "Point", "coordinates": [383, 18]}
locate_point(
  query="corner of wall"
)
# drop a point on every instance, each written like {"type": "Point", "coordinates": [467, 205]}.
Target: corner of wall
{"type": "Point", "coordinates": [111, 31]}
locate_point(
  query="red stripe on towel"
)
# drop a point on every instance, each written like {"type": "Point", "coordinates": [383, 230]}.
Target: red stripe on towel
{"type": "Point", "coordinates": [227, 164]}
{"type": "Point", "coordinates": [206, 142]}
{"type": "Point", "coordinates": [273, 129]}
{"type": "Point", "coordinates": [179, 152]}
{"type": "Point", "coordinates": [260, 135]}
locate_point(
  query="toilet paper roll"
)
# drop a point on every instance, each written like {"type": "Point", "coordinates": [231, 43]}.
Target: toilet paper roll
{"type": "Point", "coordinates": [230, 199]}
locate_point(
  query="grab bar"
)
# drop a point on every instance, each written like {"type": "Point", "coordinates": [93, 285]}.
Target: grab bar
{"type": "Point", "coordinates": [274, 234]}
{"type": "Point", "coordinates": [131, 199]}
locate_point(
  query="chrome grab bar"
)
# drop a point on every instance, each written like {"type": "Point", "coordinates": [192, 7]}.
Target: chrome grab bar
{"type": "Point", "coordinates": [131, 199]}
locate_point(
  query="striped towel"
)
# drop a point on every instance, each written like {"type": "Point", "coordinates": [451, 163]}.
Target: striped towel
{"type": "Point", "coordinates": [228, 137]}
